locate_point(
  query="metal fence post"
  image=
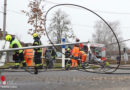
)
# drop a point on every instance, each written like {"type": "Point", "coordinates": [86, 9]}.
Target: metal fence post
{"type": "Point", "coordinates": [63, 53]}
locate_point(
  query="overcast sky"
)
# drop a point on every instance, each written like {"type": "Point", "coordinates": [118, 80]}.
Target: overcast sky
{"type": "Point", "coordinates": [82, 21]}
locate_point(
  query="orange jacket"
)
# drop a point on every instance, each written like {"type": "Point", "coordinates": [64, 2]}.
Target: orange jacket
{"type": "Point", "coordinates": [75, 51]}
{"type": "Point", "coordinates": [80, 46]}
{"type": "Point", "coordinates": [28, 53]}
{"type": "Point", "coordinates": [82, 56]}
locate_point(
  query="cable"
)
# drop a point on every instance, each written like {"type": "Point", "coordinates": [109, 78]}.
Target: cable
{"type": "Point", "coordinates": [127, 13]}
{"type": "Point", "coordinates": [90, 26]}
{"type": "Point", "coordinates": [107, 12]}
{"type": "Point", "coordinates": [81, 25]}
{"type": "Point", "coordinates": [118, 63]}
{"type": "Point", "coordinates": [119, 42]}
{"type": "Point", "coordinates": [12, 11]}
{"type": "Point", "coordinates": [51, 2]}
{"type": "Point", "coordinates": [15, 12]}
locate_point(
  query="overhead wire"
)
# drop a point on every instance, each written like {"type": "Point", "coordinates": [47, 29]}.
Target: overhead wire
{"type": "Point", "coordinates": [13, 11]}
{"type": "Point", "coordinates": [72, 7]}
{"type": "Point", "coordinates": [47, 1]}
{"type": "Point", "coordinates": [119, 42]}
{"type": "Point", "coordinates": [107, 12]}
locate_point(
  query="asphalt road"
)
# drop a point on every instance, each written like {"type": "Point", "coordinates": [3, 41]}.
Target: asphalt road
{"type": "Point", "coordinates": [66, 80]}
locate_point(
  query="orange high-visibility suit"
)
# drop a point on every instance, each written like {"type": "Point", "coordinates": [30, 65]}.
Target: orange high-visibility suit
{"type": "Point", "coordinates": [80, 54]}
{"type": "Point", "coordinates": [75, 54]}
{"type": "Point", "coordinates": [83, 56]}
{"type": "Point", "coordinates": [28, 55]}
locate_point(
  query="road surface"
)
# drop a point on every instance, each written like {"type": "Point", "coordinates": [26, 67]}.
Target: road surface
{"type": "Point", "coordinates": [66, 80]}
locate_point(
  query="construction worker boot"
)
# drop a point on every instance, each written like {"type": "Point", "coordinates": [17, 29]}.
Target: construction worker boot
{"type": "Point", "coordinates": [35, 70]}
{"type": "Point", "coordinates": [40, 67]}
{"type": "Point", "coordinates": [67, 67]}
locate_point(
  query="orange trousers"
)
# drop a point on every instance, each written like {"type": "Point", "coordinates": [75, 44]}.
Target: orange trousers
{"type": "Point", "coordinates": [28, 61]}
{"type": "Point", "coordinates": [84, 56]}
{"type": "Point", "coordinates": [74, 63]}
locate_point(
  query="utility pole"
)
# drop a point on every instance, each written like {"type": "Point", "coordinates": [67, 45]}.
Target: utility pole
{"type": "Point", "coordinates": [4, 18]}
{"type": "Point", "coordinates": [36, 13]}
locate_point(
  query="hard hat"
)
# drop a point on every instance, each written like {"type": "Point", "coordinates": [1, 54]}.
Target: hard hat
{"type": "Point", "coordinates": [35, 35]}
{"type": "Point", "coordinates": [68, 49]}
{"type": "Point", "coordinates": [77, 40]}
{"type": "Point", "coordinates": [8, 37]}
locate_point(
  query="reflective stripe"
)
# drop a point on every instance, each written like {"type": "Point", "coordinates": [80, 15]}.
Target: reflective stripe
{"type": "Point", "coordinates": [28, 55]}
{"type": "Point", "coordinates": [39, 50]}
{"type": "Point", "coordinates": [24, 61]}
{"type": "Point", "coordinates": [107, 63]}
{"type": "Point", "coordinates": [36, 43]}
{"type": "Point", "coordinates": [28, 52]}
{"type": "Point", "coordinates": [15, 41]}
{"type": "Point", "coordinates": [39, 64]}
{"type": "Point", "coordinates": [53, 56]}
{"type": "Point", "coordinates": [17, 63]}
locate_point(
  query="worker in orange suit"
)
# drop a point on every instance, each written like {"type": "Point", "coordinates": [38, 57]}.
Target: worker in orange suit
{"type": "Point", "coordinates": [80, 54]}
{"type": "Point", "coordinates": [28, 55]}
{"type": "Point", "coordinates": [75, 55]}
{"type": "Point", "coordinates": [83, 57]}
{"type": "Point", "coordinates": [80, 44]}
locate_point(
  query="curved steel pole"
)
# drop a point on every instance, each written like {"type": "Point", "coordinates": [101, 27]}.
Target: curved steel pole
{"type": "Point", "coordinates": [91, 12]}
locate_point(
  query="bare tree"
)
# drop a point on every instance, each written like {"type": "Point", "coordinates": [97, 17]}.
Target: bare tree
{"type": "Point", "coordinates": [105, 36]}
{"type": "Point", "coordinates": [60, 26]}
{"type": "Point", "coordinates": [35, 16]}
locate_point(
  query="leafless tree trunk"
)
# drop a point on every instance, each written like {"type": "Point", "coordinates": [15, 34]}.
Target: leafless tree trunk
{"type": "Point", "coordinates": [60, 26]}
{"type": "Point", "coordinates": [105, 36]}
